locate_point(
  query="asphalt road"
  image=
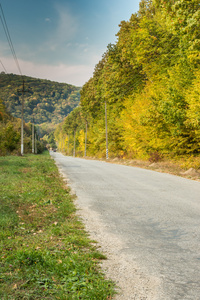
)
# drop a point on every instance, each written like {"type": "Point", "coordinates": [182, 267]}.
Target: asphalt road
{"type": "Point", "coordinates": [156, 215]}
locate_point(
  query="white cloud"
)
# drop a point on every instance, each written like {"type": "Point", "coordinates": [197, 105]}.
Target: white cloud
{"type": "Point", "coordinates": [74, 74]}
{"type": "Point", "coordinates": [67, 27]}
{"type": "Point", "coordinates": [59, 56]}
{"type": "Point", "coordinates": [62, 43]}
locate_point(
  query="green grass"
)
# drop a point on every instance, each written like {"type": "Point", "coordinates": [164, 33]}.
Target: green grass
{"type": "Point", "coordinates": [44, 249]}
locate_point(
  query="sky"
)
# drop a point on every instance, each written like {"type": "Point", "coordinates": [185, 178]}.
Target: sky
{"type": "Point", "coordinates": [60, 40]}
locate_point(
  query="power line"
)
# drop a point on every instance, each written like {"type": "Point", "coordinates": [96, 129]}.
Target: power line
{"type": "Point", "coordinates": [3, 67]}
{"type": "Point", "coordinates": [5, 27]}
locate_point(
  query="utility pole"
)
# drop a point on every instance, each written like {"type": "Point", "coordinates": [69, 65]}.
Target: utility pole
{"type": "Point", "coordinates": [22, 118]}
{"type": "Point", "coordinates": [74, 152]}
{"type": "Point", "coordinates": [35, 142]}
{"type": "Point", "coordinates": [86, 138]}
{"type": "Point", "coordinates": [106, 130]}
{"type": "Point", "coordinates": [33, 136]}
{"type": "Point", "coordinates": [68, 145]}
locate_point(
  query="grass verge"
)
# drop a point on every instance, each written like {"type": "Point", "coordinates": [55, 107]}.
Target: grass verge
{"type": "Point", "coordinates": [45, 252]}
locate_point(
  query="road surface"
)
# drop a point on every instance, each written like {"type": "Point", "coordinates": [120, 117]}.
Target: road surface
{"type": "Point", "coordinates": [156, 218]}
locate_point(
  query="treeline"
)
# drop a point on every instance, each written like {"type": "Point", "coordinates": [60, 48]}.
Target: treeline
{"type": "Point", "coordinates": [46, 101]}
{"type": "Point", "coordinates": [10, 135]}
{"type": "Point", "coordinates": [150, 82]}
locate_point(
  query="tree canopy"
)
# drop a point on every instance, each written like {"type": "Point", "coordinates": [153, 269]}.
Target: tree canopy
{"type": "Point", "coordinates": [46, 101]}
{"type": "Point", "coordinates": [150, 80]}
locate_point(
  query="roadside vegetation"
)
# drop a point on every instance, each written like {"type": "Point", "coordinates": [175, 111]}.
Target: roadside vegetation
{"type": "Point", "coordinates": [150, 81]}
{"type": "Point", "coordinates": [45, 251]}
{"type": "Point", "coordinates": [10, 134]}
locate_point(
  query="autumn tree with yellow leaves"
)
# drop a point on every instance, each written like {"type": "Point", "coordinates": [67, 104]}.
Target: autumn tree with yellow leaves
{"type": "Point", "coordinates": [150, 81]}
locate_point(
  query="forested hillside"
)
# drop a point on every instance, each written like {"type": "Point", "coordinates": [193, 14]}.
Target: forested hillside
{"type": "Point", "coordinates": [46, 101]}
{"type": "Point", "coordinates": [150, 81]}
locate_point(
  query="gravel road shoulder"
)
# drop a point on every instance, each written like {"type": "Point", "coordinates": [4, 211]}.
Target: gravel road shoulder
{"type": "Point", "coordinates": [132, 281]}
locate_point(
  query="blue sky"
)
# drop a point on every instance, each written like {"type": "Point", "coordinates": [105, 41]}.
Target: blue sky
{"type": "Point", "coordinates": [61, 40]}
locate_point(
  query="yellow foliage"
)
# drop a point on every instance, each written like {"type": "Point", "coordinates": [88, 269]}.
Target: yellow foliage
{"type": "Point", "coordinates": [81, 139]}
{"type": "Point", "coordinates": [193, 100]}
{"type": "Point", "coordinates": [141, 120]}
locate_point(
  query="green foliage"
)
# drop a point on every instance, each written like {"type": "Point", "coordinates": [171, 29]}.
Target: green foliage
{"type": "Point", "coordinates": [10, 134]}
{"type": "Point", "coordinates": [69, 134]}
{"type": "Point", "coordinates": [46, 101]}
{"type": "Point", "coordinates": [10, 137]}
{"type": "Point", "coordinates": [51, 141]}
{"type": "Point", "coordinates": [150, 82]}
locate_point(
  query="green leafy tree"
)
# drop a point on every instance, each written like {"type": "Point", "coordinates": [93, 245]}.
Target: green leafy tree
{"type": "Point", "coordinates": [150, 81]}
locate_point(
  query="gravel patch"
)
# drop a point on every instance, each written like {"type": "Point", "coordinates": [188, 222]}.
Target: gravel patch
{"type": "Point", "coordinates": [132, 282]}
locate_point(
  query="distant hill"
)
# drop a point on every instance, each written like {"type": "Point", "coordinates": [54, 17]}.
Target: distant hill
{"type": "Point", "coordinates": [47, 101]}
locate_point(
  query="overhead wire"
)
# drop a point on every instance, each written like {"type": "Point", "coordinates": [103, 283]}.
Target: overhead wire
{"type": "Point", "coordinates": [5, 27]}
{"type": "Point", "coordinates": [3, 67]}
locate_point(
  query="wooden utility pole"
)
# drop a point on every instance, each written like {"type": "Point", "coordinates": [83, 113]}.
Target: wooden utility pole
{"type": "Point", "coordinates": [22, 123]}
{"type": "Point", "coordinates": [106, 130]}
{"type": "Point", "coordinates": [22, 118]}
{"type": "Point", "coordinates": [74, 152]}
{"type": "Point", "coordinates": [86, 138]}
{"type": "Point", "coordinates": [33, 136]}
{"type": "Point", "coordinates": [35, 142]}
{"type": "Point", "coordinates": [68, 145]}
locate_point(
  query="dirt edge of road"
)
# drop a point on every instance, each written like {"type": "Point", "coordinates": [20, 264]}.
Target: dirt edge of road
{"type": "Point", "coordinates": [160, 166]}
